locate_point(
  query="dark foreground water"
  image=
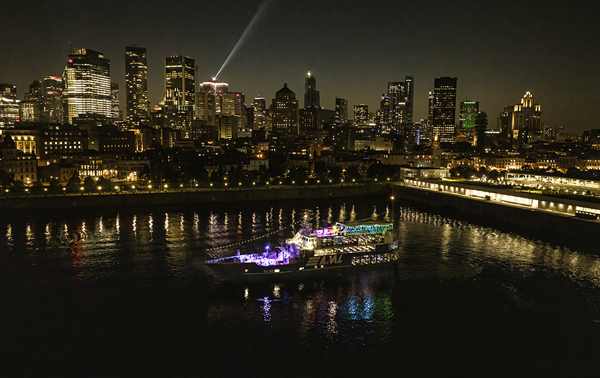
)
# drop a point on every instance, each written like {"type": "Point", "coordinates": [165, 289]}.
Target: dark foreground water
{"type": "Point", "coordinates": [136, 300]}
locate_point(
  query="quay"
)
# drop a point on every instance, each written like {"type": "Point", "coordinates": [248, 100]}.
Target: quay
{"type": "Point", "coordinates": [548, 218]}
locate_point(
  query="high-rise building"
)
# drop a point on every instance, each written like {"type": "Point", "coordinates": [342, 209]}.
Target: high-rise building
{"type": "Point", "coordinates": [180, 81]}
{"type": "Point", "coordinates": [480, 126]}
{"type": "Point", "coordinates": [31, 108]}
{"type": "Point", "coordinates": [311, 94]}
{"type": "Point", "coordinates": [259, 109]}
{"type": "Point", "coordinates": [87, 84]}
{"type": "Point", "coordinates": [444, 108]}
{"type": "Point", "coordinates": [525, 122]}
{"type": "Point", "coordinates": [9, 105]}
{"type": "Point", "coordinates": [209, 101]}
{"type": "Point", "coordinates": [233, 104]}
{"type": "Point", "coordinates": [53, 107]}
{"type": "Point", "coordinates": [468, 112]}
{"type": "Point", "coordinates": [361, 115]}
{"type": "Point", "coordinates": [409, 90]}
{"type": "Point", "coordinates": [401, 101]}
{"type": "Point", "coordinates": [341, 111]}
{"type": "Point", "coordinates": [285, 114]}
{"type": "Point", "coordinates": [137, 105]}
{"type": "Point", "coordinates": [384, 110]}
{"type": "Point", "coordinates": [115, 106]}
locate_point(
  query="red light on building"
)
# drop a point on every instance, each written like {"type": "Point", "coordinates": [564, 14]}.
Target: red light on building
{"type": "Point", "coordinates": [70, 60]}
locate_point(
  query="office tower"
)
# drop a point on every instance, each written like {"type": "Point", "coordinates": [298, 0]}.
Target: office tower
{"type": "Point", "coordinates": [341, 111]}
{"type": "Point", "coordinates": [115, 106]}
{"type": "Point", "coordinates": [444, 108]}
{"type": "Point", "coordinates": [259, 109]}
{"type": "Point", "coordinates": [232, 104]}
{"type": "Point", "coordinates": [311, 94]}
{"type": "Point", "coordinates": [396, 93]}
{"type": "Point", "coordinates": [136, 84]}
{"type": "Point", "coordinates": [52, 107]}
{"type": "Point", "coordinates": [30, 109]}
{"type": "Point", "coordinates": [180, 79]}
{"type": "Point", "coordinates": [480, 126]}
{"type": "Point", "coordinates": [384, 110]}
{"type": "Point", "coordinates": [468, 112]}
{"type": "Point", "coordinates": [87, 84]}
{"type": "Point", "coordinates": [526, 122]}
{"type": "Point", "coordinates": [209, 101]}
{"type": "Point", "coordinates": [9, 105]}
{"type": "Point", "coordinates": [361, 114]}
{"type": "Point", "coordinates": [285, 114]}
{"type": "Point", "coordinates": [409, 89]}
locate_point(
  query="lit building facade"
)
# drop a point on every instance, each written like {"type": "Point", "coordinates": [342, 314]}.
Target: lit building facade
{"type": "Point", "coordinates": [9, 105]}
{"type": "Point", "coordinates": [259, 109]}
{"type": "Point", "coordinates": [311, 94]}
{"type": "Point", "coordinates": [137, 105]}
{"type": "Point", "coordinates": [115, 106]}
{"type": "Point", "coordinates": [525, 122]}
{"type": "Point", "coordinates": [443, 108]}
{"type": "Point", "coordinates": [87, 84]}
{"type": "Point", "coordinates": [361, 115]}
{"type": "Point", "coordinates": [52, 100]}
{"type": "Point", "coordinates": [180, 81]}
{"type": "Point", "coordinates": [341, 111]}
{"type": "Point", "coordinates": [285, 114]}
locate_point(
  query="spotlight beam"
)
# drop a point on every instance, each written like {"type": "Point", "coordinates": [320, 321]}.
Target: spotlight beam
{"type": "Point", "coordinates": [245, 34]}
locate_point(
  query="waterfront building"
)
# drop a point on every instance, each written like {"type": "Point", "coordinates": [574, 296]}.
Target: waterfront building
{"type": "Point", "coordinates": [443, 108]}
{"type": "Point", "coordinates": [13, 160]}
{"type": "Point", "coordinates": [87, 84]}
{"type": "Point", "coordinates": [137, 105]}
{"type": "Point", "coordinates": [285, 114]}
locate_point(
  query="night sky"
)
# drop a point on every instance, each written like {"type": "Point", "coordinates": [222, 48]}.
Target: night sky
{"type": "Point", "coordinates": [498, 50]}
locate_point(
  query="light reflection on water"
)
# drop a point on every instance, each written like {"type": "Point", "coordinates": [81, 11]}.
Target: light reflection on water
{"type": "Point", "coordinates": [132, 248]}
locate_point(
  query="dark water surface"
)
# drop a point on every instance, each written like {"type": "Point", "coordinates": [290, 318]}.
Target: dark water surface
{"type": "Point", "coordinates": [135, 299]}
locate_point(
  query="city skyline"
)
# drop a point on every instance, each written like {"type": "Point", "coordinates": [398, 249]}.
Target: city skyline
{"type": "Point", "coordinates": [495, 61]}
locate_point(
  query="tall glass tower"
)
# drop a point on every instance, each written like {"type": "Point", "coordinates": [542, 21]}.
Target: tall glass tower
{"type": "Point", "coordinates": [136, 83]}
{"type": "Point", "coordinates": [87, 84]}
{"type": "Point", "coordinates": [444, 108]}
{"type": "Point", "coordinates": [180, 81]}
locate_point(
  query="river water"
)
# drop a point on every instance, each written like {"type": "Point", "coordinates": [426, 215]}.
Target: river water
{"type": "Point", "coordinates": [135, 299]}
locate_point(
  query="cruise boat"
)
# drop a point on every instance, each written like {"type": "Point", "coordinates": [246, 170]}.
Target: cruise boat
{"type": "Point", "coordinates": [364, 244]}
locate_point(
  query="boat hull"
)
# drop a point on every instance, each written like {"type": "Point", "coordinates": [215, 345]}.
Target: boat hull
{"type": "Point", "coordinates": [306, 267]}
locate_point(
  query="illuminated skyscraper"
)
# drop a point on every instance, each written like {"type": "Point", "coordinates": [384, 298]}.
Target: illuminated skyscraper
{"type": "Point", "coordinates": [53, 109]}
{"type": "Point", "coordinates": [444, 108]}
{"type": "Point", "coordinates": [311, 94]}
{"type": "Point", "coordinates": [136, 83]}
{"type": "Point", "coordinates": [260, 118]}
{"type": "Point", "coordinates": [115, 106]}
{"type": "Point", "coordinates": [87, 84]}
{"type": "Point", "coordinates": [409, 89]}
{"type": "Point", "coordinates": [341, 111]}
{"type": "Point", "coordinates": [361, 115]}
{"type": "Point", "coordinates": [180, 81]}
{"type": "Point", "coordinates": [526, 122]}
{"type": "Point", "coordinates": [401, 101]}
{"type": "Point", "coordinates": [384, 109]}
{"type": "Point", "coordinates": [285, 114]}
{"type": "Point", "coordinates": [468, 112]}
